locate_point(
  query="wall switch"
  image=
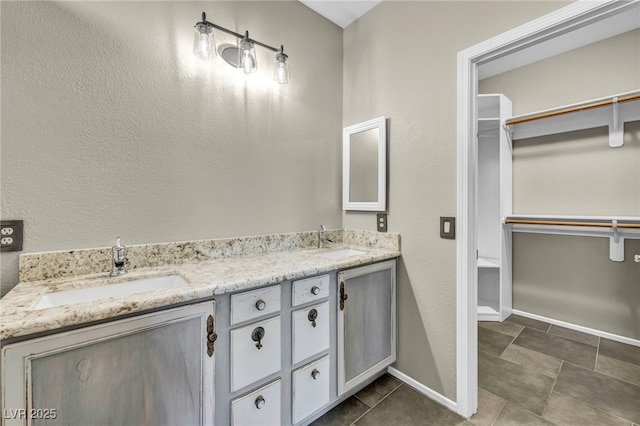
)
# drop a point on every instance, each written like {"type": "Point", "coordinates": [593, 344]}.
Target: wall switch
{"type": "Point", "coordinates": [382, 222]}
{"type": "Point", "coordinates": [636, 258]}
{"type": "Point", "coordinates": [448, 228]}
{"type": "Point", "coordinates": [11, 235]}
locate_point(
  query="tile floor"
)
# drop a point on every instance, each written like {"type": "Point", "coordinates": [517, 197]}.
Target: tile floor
{"type": "Point", "coordinates": [529, 373]}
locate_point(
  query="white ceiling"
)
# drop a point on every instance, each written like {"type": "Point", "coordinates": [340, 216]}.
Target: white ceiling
{"type": "Point", "coordinates": [341, 12]}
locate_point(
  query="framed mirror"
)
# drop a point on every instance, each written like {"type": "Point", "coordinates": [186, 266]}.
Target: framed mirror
{"type": "Point", "coordinates": [364, 166]}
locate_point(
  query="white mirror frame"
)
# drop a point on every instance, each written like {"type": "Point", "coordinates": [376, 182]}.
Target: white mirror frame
{"type": "Point", "coordinates": [379, 123]}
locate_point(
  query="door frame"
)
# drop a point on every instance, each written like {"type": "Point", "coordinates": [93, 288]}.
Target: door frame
{"type": "Point", "coordinates": [580, 16]}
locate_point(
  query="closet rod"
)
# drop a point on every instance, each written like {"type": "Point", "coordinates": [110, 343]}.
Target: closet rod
{"type": "Point", "coordinates": [572, 109]}
{"type": "Point", "coordinates": [569, 223]}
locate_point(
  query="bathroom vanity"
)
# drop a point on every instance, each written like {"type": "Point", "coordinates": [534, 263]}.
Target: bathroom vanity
{"type": "Point", "coordinates": [270, 338]}
{"type": "Point", "coordinates": [290, 351]}
{"type": "Point", "coordinates": [105, 374]}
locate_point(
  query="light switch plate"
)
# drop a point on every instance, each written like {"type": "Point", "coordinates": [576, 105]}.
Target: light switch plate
{"type": "Point", "coordinates": [381, 222]}
{"type": "Point", "coordinates": [448, 228]}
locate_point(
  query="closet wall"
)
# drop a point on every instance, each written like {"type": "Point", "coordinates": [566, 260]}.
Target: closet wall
{"type": "Point", "coordinates": [565, 277]}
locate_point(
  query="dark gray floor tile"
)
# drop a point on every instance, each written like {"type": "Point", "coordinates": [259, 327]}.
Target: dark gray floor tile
{"type": "Point", "coordinates": [489, 405]}
{"type": "Point", "coordinates": [619, 369]}
{"type": "Point", "coordinates": [620, 351]}
{"type": "Point", "coordinates": [512, 415]}
{"type": "Point", "coordinates": [492, 342]}
{"type": "Point", "coordinates": [512, 382]}
{"type": "Point", "coordinates": [600, 391]}
{"type": "Point", "coordinates": [377, 390]}
{"type": "Point", "coordinates": [533, 360]}
{"type": "Point", "coordinates": [565, 411]}
{"type": "Point", "coordinates": [344, 414]}
{"type": "Point", "coordinates": [558, 347]}
{"type": "Point", "coordinates": [528, 322]}
{"type": "Point", "coordinates": [579, 336]}
{"type": "Point", "coordinates": [407, 407]}
{"type": "Point", "coordinates": [504, 327]}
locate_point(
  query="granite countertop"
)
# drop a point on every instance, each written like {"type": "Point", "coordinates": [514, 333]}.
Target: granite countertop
{"type": "Point", "coordinates": [253, 265]}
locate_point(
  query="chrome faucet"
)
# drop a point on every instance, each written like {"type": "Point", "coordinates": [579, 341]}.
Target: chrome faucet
{"type": "Point", "coordinates": [118, 259]}
{"type": "Point", "coordinates": [322, 239]}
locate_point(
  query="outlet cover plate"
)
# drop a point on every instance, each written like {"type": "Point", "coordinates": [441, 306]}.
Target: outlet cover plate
{"type": "Point", "coordinates": [11, 235]}
{"type": "Point", "coordinates": [381, 222]}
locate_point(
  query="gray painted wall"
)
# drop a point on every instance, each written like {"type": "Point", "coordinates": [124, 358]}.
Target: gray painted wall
{"type": "Point", "coordinates": [563, 277]}
{"type": "Point", "coordinates": [123, 133]}
{"type": "Point", "coordinates": [110, 125]}
{"type": "Point", "coordinates": [400, 61]}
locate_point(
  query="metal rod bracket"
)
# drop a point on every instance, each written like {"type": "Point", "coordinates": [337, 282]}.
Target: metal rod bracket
{"type": "Point", "coordinates": [616, 127]}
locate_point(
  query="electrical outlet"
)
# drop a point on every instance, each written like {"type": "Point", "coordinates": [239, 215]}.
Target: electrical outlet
{"type": "Point", "coordinates": [636, 258]}
{"type": "Point", "coordinates": [382, 222]}
{"type": "Point", "coordinates": [11, 235]}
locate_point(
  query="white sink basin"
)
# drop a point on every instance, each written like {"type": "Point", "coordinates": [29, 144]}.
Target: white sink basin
{"type": "Point", "coordinates": [341, 254]}
{"type": "Point", "coordinates": [70, 297]}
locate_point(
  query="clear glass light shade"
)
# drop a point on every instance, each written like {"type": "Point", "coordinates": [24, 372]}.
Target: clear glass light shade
{"type": "Point", "coordinates": [247, 56]}
{"type": "Point", "coordinates": [204, 46]}
{"type": "Point", "coordinates": [281, 71]}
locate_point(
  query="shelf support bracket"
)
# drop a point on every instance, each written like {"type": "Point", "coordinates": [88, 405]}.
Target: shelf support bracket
{"type": "Point", "coordinates": [616, 127]}
{"type": "Point", "coordinates": [616, 244]}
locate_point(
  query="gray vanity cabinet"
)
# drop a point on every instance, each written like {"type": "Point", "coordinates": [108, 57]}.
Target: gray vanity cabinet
{"type": "Point", "coordinates": [155, 369]}
{"type": "Point", "coordinates": [366, 323]}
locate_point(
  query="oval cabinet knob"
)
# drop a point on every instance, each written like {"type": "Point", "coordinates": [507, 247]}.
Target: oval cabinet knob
{"type": "Point", "coordinates": [261, 304]}
{"type": "Point", "coordinates": [315, 290]}
{"type": "Point", "coordinates": [315, 374]}
{"type": "Point", "coordinates": [260, 402]}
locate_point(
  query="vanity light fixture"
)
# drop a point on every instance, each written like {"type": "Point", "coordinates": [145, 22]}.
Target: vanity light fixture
{"type": "Point", "coordinates": [243, 56]}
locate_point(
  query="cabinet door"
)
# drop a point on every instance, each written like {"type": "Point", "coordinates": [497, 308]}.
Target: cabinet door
{"type": "Point", "coordinates": [310, 331]}
{"type": "Point", "coordinates": [311, 389]}
{"type": "Point", "coordinates": [151, 369]}
{"type": "Point", "coordinates": [253, 359]}
{"type": "Point", "coordinates": [262, 407]}
{"type": "Point", "coordinates": [366, 322]}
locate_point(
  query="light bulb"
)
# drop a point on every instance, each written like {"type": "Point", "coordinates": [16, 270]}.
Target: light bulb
{"type": "Point", "coordinates": [281, 71]}
{"type": "Point", "coordinates": [247, 55]}
{"type": "Point", "coordinates": [203, 42]}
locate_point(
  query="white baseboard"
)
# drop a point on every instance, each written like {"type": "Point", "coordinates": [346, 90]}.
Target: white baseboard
{"type": "Point", "coordinates": [600, 333]}
{"type": "Point", "coordinates": [428, 392]}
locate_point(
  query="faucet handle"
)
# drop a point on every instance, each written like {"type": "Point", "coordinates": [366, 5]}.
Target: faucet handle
{"type": "Point", "coordinates": [118, 258]}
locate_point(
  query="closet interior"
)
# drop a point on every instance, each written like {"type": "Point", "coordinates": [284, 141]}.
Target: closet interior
{"type": "Point", "coordinates": [498, 133]}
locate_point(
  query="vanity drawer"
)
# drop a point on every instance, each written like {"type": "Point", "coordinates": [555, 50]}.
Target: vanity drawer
{"type": "Point", "coordinates": [307, 339]}
{"type": "Point", "coordinates": [260, 407]}
{"type": "Point", "coordinates": [254, 304]}
{"type": "Point", "coordinates": [310, 289]}
{"type": "Point", "coordinates": [252, 358]}
{"type": "Point", "coordinates": [310, 389]}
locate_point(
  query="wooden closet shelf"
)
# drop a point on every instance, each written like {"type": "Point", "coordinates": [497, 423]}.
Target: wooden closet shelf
{"type": "Point", "coordinates": [575, 108]}
{"type": "Point", "coordinates": [609, 224]}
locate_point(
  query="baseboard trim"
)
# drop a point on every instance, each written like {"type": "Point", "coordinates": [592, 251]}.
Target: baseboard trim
{"type": "Point", "coordinates": [599, 333]}
{"type": "Point", "coordinates": [426, 391]}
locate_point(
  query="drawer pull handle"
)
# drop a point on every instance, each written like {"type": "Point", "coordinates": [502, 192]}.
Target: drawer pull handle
{"type": "Point", "coordinates": [261, 304]}
{"type": "Point", "coordinates": [315, 373]}
{"type": "Point", "coordinates": [257, 336]}
{"type": "Point", "coordinates": [313, 315]}
{"type": "Point", "coordinates": [315, 290]}
{"type": "Point", "coordinates": [260, 402]}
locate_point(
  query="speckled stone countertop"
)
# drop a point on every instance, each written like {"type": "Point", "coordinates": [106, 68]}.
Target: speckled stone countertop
{"type": "Point", "coordinates": [210, 268]}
